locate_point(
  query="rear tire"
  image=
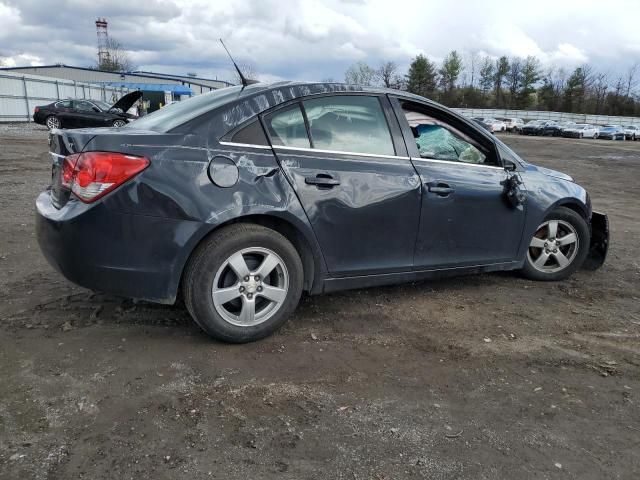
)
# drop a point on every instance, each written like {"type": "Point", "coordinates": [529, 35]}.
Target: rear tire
{"type": "Point", "coordinates": [53, 122]}
{"type": "Point", "coordinates": [242, 283]}
{"type": "Point", "coordinates": [558, 247]}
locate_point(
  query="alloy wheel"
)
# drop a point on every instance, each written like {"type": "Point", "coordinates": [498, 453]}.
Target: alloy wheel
{"type": "Point", "coordinates": [53, 122]}
{"type": "Point", "coordinates": [119, 123]}
{"type": "Point", "coordinates": [250, 286]}
{"type": "Point", "coordinates": [554, 246]}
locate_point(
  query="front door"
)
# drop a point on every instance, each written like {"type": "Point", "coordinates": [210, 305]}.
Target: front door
{"type": "Point", "coordinates": [86, 115]}
{"type": "Point", "coordinates": [345, 157]}
{"type": "Point", "coordinates": [466, 219]}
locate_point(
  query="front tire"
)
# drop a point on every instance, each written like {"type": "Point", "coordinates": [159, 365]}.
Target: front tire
{"type": "Point", "coordinates": [558, 247]}
{"type": "Point", "coordinates": [118, 123]}
{"type": "Point", "coordinates": [243, 282]}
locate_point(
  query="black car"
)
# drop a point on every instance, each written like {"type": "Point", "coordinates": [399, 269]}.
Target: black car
{"type": "Point", "coordinates": [238, 200]}
{"type": "Point", "coordinates": [83, 113]}
{"type": "Point", "coordinates": [555, 129]}
{"type": "Point", "coordinates": [535, 127]}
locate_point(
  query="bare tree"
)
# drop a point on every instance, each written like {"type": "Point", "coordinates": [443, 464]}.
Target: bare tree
{"type": "Point", "coordinates": [631, 79]}
{"type": "Point", "coordinates": [388, 74]}
{"type": "Point", "coordinates": [360, 74]}
{"type": "Point", "coordinates": [248, 71]}
{"type": "Point", "coordinates": [117, 58]}
{"type": "Point", "coordinates": [472, 62]}
{"type": "Point", "coordinates": [600, 85]}
{"type": "Point", "coordinates": [514, 76]}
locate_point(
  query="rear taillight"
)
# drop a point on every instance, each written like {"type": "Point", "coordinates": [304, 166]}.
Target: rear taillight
{"type": "Point", "coordinates": [36, 110]}
{"type": "Point", "coordinates": [92, 175]}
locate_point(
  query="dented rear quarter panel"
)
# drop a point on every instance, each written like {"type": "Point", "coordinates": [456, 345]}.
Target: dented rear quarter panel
{"type": "Point", "coordinates": [177, 186]}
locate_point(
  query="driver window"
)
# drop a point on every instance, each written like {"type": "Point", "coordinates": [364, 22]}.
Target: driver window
{"type": "Point", "coordinates": [437, 140]}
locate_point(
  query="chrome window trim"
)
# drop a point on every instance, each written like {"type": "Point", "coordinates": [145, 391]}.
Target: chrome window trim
{"type": "Point", "coordinates": [338, 152]}
{"type": "Point", "coordinates": [451, 162]}
{"type": "Point", "coordinates": [244, 145]}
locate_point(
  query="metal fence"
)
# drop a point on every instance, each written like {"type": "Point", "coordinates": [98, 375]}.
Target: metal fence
{"type": "Point", "coordinates": [20, 94]}
{"type": "Point", "coordinates": [557, 116]}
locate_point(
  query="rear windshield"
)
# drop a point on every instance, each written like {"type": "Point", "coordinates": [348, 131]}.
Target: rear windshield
{"type": "Point", "coordinates": [178, 113]}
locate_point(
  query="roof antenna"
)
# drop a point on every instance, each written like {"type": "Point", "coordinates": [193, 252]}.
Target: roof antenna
{"type": "Point", "coordinates": [244, 81]}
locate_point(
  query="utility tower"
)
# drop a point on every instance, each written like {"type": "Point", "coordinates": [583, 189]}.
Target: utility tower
{"type": "Point", "coordinates": [103, 41]}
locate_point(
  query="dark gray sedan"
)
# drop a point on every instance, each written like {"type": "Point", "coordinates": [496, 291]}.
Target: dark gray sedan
{"type": "Point", "coordinates": [241, 199]}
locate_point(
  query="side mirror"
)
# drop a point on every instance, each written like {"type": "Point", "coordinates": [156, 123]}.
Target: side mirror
{"type": "Point", "coordinates": [509, 166]}
{"type": "Point", "coordinates": [95, 109]}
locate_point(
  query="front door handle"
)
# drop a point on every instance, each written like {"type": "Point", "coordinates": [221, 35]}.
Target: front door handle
{"type": "Point", "coordinates": [440, 188]}
{"type": "Point", "coordinates": [322, 180]}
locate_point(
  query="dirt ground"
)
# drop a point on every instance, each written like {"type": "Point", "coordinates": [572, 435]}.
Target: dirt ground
{"type": "Point", "coordinates": [481, 377]}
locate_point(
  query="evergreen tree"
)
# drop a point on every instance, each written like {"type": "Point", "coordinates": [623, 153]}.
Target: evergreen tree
{"type": "Point", "coordinates": [529, 76]}
{"type": "Point", "coordinates": [421, 78]}
{"type": "Point", "coordinates": [575, 90]}
{"type": "Point", "coordinates": [450, 71]}
{"type": "Point", "coordinates": [501, 71]}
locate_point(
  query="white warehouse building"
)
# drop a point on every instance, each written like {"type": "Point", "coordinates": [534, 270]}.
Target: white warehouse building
{"type": "Point", "coordinates": [157, 88]}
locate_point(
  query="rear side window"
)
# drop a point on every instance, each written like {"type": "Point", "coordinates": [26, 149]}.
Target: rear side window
{"type": "Point", "coordinates": [64, 104]}
{"type": "Point", "coordinates": [287, 128]}
{"type": "Point", "coordinates": [349, 124]}
{"type": "Point", "coordinates": [251, 134]}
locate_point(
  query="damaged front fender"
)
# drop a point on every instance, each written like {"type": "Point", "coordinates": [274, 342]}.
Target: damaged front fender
{"type": "Point", "coordinates": [599, 245]}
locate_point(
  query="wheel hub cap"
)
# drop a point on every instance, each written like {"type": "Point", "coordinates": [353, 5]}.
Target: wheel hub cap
{"type": "Point", "coordinates": [250, 286]}
{"type": "Point", "coordinates": [553, 247]}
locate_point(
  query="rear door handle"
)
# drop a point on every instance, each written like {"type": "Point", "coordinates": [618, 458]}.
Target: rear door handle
{"type": "Point", "coordinates": [440, 188]}
{"type": "Point", "coordinates": [322, 180]}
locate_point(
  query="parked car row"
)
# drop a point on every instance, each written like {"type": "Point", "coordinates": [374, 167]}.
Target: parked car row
{"type": "Point", "coordinates": [559, 129]}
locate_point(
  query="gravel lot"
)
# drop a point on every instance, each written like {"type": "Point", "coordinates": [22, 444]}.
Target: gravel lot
{"type": "Point", "coordinates": [482, 377]}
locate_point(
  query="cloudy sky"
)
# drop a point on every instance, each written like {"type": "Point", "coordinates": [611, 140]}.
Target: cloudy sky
{"type": "Point", "coordinates": [312, 39]}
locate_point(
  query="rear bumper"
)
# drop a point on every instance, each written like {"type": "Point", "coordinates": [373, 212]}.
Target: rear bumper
{"type": "Point", "coordinates": [130, 255]}
{"type": "Point", "coordinates": [599, 245]}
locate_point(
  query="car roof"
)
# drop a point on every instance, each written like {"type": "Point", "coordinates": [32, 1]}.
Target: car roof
{"type": "Point", "coordinates": [238, 104]}
{"type": "Point", "coordinates": [303, 89]}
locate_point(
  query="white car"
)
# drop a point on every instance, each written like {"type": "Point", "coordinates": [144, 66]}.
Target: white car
{"type": "Point", "coordinates": [631, 132]}
{"type": "Point", "coordinates": [581, 130]}
{"type": "Point", "coordinates": [514, 124]}
{"type": "Point", "coordinates": [494, 124]}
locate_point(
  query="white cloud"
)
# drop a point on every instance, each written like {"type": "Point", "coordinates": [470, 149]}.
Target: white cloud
{"type": "Point", "coordinates": [313, 39]}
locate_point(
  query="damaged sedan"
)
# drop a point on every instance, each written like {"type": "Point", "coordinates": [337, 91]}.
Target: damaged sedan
{"type": "Point", "coordinates": [239, 200]}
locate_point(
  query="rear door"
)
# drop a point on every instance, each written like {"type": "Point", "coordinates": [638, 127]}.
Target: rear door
{"type": "Point", "coordinates": [347, 162]}
{"type": "Point", "coordinates": [465, 219]}
{"type": "Point", "coordinates": [64, 111]}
